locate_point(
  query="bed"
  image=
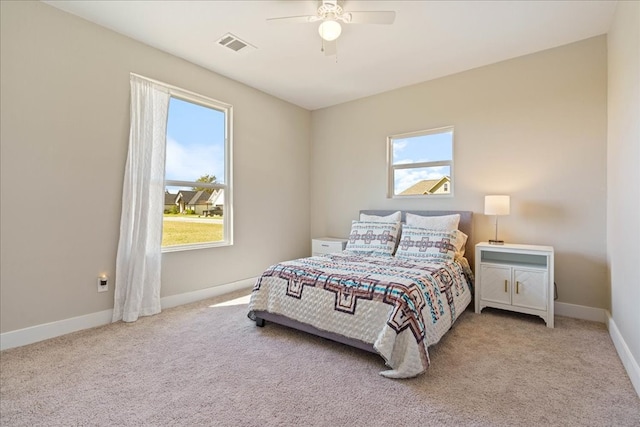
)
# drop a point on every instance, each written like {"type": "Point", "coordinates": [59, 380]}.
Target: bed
{"type": "Point", "coordinates": [397, 289]}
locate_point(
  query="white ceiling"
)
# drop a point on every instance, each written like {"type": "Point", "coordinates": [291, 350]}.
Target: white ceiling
{"type": "Point", "coordinates": [429, 39]}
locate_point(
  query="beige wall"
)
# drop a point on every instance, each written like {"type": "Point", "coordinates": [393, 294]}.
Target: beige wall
{"type": "Point", "coordinates": [623, 174]}
{"type": "Point", "coordinates": [533, 127]}
{"type": "Point", "coordinates": [64, 135]}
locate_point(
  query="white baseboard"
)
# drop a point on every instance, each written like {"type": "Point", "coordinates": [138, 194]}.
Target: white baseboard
{"type": "Point", "coordinates": [189, 297]}
{"type": "Point", "coordinates": [580, 312]}
{"type": "Point", "coordinates": [45, 331]}
{"type": "Point", "coordinates": [628, 361]}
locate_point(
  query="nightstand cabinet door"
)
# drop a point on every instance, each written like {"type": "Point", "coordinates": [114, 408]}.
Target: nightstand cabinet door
{"type": "Point", "coordinates": [530, 288]}
{"type": "Point", "coordinates": [496, 283]}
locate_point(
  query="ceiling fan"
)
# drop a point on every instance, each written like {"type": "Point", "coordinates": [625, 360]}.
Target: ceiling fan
{"type": "Point", "coordinates": [330, 14]}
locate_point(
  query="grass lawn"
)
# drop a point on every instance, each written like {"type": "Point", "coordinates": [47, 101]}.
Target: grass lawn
{"type": "Point", "coordinates": [182, 233]}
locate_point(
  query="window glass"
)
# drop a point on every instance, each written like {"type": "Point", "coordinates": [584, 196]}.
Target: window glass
{"type": "Point", "coordinates": [421, 163]}
{"type": "Point", "coordinates": [197, 191]}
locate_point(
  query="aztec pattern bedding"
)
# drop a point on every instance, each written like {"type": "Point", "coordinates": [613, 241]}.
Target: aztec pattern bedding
{"type": "Point", "coordinates": [400, 306]}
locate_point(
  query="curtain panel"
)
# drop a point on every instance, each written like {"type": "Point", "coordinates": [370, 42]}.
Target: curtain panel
{"type": "Point", "coordinates": [138, 261]}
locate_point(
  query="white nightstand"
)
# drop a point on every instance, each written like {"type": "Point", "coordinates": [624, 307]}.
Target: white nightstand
{"type": "Point", "coordinates": [515, 277]}
{"type": "Point", "coordinates": [327, 245]}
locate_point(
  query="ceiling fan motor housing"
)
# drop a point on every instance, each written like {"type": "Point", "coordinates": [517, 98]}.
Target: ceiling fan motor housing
{"type": "Point", "coordinates": [330, 11]}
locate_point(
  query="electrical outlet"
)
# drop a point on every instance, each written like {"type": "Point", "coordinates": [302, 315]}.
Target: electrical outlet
{"type": "Point", "coordinates": [103, 283]}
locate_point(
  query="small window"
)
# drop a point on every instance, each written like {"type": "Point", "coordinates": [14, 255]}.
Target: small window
{"type": "Point", "coordinates": [197, 208]}
{"type": "Point", "coordinates": [421, 163]}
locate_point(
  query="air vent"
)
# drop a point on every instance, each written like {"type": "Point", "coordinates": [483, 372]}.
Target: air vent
{"type": "Point", "coordinates": [235, 44]}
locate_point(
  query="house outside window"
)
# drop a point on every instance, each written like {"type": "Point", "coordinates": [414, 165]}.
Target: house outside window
{"type": "Point", "coordinates": [197, 208]}
{"type": "Point", "coordinates": [420, 164]}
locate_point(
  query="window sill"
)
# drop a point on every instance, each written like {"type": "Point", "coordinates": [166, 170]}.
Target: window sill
{"type": "Point", "coordinates": [195, 246]}
{"type": "Point", "coordinates": [423, 196]}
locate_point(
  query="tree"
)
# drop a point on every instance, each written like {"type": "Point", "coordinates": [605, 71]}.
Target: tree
{"type": "Point", "coordinates": [209, 179]}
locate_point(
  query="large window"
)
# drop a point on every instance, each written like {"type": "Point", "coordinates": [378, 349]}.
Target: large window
{"type": "Point", "coordinates": [197, 207]}
{"type": "Point", "coordinates": [421, 163]}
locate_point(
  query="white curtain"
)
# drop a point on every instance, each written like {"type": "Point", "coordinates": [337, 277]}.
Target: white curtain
{"type": "Point", "coordinates": [138, 263]}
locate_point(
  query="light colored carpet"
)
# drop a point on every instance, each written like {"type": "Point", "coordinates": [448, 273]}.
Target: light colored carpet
{"type": "Point", "coordinates": [209, 365]}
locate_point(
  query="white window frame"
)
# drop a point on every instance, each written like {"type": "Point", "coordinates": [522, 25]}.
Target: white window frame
{"type": "Point", "coordinates": [392, 168]}
{"type": "Point", "coordinates": [227, 217]}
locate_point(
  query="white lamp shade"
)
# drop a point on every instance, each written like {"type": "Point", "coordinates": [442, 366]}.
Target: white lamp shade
{"type": "Point", "coordinates": [330, 30]}
{"type": "Point", "coordinates": [496, 205]}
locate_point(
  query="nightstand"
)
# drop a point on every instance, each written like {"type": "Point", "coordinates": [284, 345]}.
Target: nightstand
{"type": "Point", "coordinates": [327, 245]}
{"type": "Point", "coordinates": [516, 278]}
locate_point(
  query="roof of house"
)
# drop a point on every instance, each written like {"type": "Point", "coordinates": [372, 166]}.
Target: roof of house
{"type": "Point", "coordinates": [169, 199]}
{"type": "Point", "coordinates": [191, 197]}
{"type": "Point", "coordinates": [425, 186]}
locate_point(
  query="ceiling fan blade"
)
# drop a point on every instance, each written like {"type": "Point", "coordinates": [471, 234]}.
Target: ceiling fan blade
{"type": "Point", "coordinates": [329, 48]}
{"type": "Point", "coordinates": [303, 19]}
{"type": "Point", "coordinates": [377, 17]}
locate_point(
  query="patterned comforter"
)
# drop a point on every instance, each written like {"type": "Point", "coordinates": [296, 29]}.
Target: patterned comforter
{"type": "Point", "coordinates": [400, 306]}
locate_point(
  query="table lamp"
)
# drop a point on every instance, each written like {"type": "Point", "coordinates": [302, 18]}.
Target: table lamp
{"type": "Point", "coordinates": [496, 205]}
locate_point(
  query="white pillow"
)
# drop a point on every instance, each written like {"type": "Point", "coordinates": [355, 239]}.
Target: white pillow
{"type": "Point", "coordinates": [461, 241]}
{"type": "Point", "coordinates": [394, 217]}
{"type": "Point", "coordinates": [376, 238]}
{"type": "Point", "coordinates": [443, 222]}
{"type": "Point", "coordinates": [436, 246]}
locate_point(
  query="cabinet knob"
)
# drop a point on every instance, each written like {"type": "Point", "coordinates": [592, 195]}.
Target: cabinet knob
{"type": "Point", "coordinates": [505, 286]}
{"type": "Point", "coordinates": [517, 287]}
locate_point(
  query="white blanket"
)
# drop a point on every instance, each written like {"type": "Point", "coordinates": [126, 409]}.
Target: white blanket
{"type": "Point", "coordinates": [399, 306]}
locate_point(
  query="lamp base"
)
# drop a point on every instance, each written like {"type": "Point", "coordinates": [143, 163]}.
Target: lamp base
{"type": "Point", "coordinates": [496, 242]}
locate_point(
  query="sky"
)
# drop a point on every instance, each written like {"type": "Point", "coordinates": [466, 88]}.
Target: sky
{"type": "Point", "coordinates": [195, 142]}
{"type": "Point", "coordinates": [425, 148]}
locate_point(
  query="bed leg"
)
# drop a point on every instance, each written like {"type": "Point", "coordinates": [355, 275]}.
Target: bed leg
{"type": "Point", "coordinates": [259, 322]}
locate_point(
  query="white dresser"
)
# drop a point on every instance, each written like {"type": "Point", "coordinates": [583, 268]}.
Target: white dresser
{"type": "Point", "coordinates": [515, 277]}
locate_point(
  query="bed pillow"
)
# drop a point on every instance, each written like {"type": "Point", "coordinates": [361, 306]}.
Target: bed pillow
{"type": "Point", "coordinates": [376, 238]}
{"type": "Point", "coordinates": [461, 241]}
{"type": "Point", "coordinates": [394, 217]}
{"type": "Point", "coordinates": [442, 222]}
{"type": "Point", "coordinates": [423, 244]}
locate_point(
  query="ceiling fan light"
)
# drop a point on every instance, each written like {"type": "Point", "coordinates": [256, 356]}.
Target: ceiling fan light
{"type": "Point", "coordinates": [329, 30]}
